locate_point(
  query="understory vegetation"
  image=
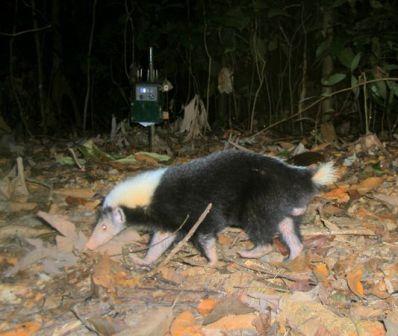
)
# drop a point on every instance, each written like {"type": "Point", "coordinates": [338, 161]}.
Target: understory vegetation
{"type": "Point", "coordinates": [294, 65]}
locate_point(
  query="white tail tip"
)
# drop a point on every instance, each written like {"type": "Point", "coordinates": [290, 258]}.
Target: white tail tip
{"type": "Point", "coordinates": [326, 174]}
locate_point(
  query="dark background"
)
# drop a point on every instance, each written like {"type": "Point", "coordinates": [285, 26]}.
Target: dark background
{"type": "Point", "coordinates": [285, 55]}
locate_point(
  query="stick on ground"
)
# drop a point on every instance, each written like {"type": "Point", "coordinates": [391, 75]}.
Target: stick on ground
{"type": "Point", "coordinates": [190, 233]}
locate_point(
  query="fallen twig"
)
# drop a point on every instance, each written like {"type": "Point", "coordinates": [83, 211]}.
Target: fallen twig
{"type": "Point", "coordinates": [181, 243]}
{"type": "Point", "coordinates": [21, 175]}
{"type": "Point", "coordinates": [277, 273]}
{"type": "Point", "coordinates": [342, 232]}
{"type": "Point", "coordinates": [76, 159]}
{"type": "Point", "coordinates": [240, 147]}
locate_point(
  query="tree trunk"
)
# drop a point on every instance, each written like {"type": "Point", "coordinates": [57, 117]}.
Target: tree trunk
{"type": "Point", "coordinates": [40, 75]}
{"type": "Point", "coordinates": [327, 65]}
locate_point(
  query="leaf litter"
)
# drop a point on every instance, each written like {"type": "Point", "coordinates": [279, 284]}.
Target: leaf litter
{"type": "Point", "coordinates": [346, 282]}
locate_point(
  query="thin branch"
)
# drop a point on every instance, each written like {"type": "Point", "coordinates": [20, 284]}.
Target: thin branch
{"type": "Point", "coordinates": [190, 233]}
{"type": "Point", "coordinates": [76, 159]}
{"type": "Point", "coordinates": [33, 30]}
{"type": "Point", "coordinates": [209, 67]}
{"type": "Point", "coordinates": [21, 176]}
{"type": "Point", "coordinates": [90, 47]}
{"type": "Point", "coordinates": [322, 99]}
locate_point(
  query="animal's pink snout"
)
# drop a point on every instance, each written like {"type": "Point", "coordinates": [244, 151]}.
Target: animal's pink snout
{"type": "Point", "coordinates": [91, 244]}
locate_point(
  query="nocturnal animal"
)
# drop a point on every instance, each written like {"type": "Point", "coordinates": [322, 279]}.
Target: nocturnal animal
{"type": "Point", "coordinates": [260, 194]}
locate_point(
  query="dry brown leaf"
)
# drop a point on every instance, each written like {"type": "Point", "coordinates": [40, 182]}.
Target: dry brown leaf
{"type": "Point", "coordinates": [305, 316]}
{"type": "Point", "coordinates": [332, 210]}
{"type": "Point", "coordinates": [328, 132]}
{"type": "Point", "coordinates": [389, 199]}
{"type": "Point", "coordinates": [185, 325]}
{"type": "Point", "coordinates": [60, 223]}
{"type": "Point", "coordinates": [23, 329]}
{"type": "Point", "coordinates": [230, 305]}
{"type": "Point", "coordinates": [391, 323]}
{"type": "Point", "coordinates": [224, 239]}
{"type": "Point", "coordinates": [320, 147]}
{"type": "Point", "coordinates": [321, 272]}
{"type": "Point", "coordinates": [362, 312]}
{"type": "Point", "coordinates": [8, 260]}
{"type": "Point", "coordinates": [153, 322]}
{"type": "Point", "coordinates": [170, 274]}
{"type": "Point", "coordinates": [32, 257]}
{"type": "Point", "coordinates": [148, 160]}
{"type": "Point", "coordinates": [280, 247]}
{"type": "Point", "coordinates": [354, 281]}
{"type": "Point", "coordinates": [106, 325]}
{"type": "Point", "coordinates": [322, 331]}
{"type": "Point", "coordinates": [339, 194]}
{"type": "Point", "coordinates": [104, 272]}
{"type": "Point", "coordinates": [75, 193]}
{"type": "Point", "coordinates": [262, 323]}
{"type": "Point", "coordinates": [364, 213]}
{"type": "Point", "coordinates": [370, 328]}
{"type": "Point", "coordinates": [123, 280]}
{"type": "Point", "coordinates": [368, 184]}
{"type": "Point", "coordinates": [114, 246]}
{"type": "Point", "coordinates": [205, 306]}
{"type": "Point", "coordinates": [379, 289]}
{"type": "Point", "coordinates": [25, 206]}
{"type": "Point", "coordinates": [75, 201]}
{"type": "Point", "coordinates": [92, 205]}
{"type": "Point", "coordinates": [234, 322]}
{"type": "Point", "coordinates": [64, 243]}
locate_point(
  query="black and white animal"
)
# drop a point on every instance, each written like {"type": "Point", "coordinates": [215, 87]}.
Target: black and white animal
{"type": "Point", "coordinates": [262, 195]}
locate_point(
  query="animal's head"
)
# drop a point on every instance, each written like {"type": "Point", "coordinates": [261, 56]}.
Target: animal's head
{"type": "Point", "coordinates": [110, 223]}
{"type": "Point", "coordinates": [132, 193]}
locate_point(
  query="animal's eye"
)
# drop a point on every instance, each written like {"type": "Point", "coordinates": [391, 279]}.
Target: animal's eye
{"type": "Point", "coordinates": [104, 227]}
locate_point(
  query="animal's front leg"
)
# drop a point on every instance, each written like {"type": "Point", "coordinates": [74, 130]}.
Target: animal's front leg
{"type": "Point", "coordinates": [208, 244]}
{"type": "Point", "coordinates": [160, 242]}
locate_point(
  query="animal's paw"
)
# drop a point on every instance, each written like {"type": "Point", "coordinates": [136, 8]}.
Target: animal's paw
{"type": "Point", "coordinates": [140, 262]}
{"type": "Point", "coordinates": [257, 252]}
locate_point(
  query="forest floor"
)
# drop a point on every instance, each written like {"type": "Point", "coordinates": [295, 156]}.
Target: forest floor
{"type": "Point", "coordinates": [345, 283]}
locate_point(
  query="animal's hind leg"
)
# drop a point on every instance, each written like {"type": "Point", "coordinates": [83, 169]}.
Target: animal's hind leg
{"type": "Point", "coordinates": [160, 242]}
{"type": "Point", "coordinates": [290, 235]}
{"type": "Point", "coordinates": [208, 245]}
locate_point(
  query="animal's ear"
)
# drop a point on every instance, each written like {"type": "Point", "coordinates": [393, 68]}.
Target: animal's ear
{"type": "Point", "coordinates": [118, 216]}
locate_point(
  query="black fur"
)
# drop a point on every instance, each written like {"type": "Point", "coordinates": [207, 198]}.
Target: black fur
{"type": "Point", "coordinates": [247, 190]}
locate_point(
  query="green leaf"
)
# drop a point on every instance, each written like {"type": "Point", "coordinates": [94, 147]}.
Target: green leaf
{"type": "Point", "coordinates": [277, 12]}
{"type": "Point", "coordinates": [393, 87]}
{"type": "Point", "coordinates": [346, 57]}
{"type": "Point", "coordinates": [272, 45]}
{"type": "Point", "coordinates": [259, 5]}
{"type": "Point", "coordinates": [355, 62]}
{"type": "Point", "coordinates": [379, 89]}
{"type": "Point", "coordinates": [375, 4]}
{"type": "Point", "coordinates": [321, 49]}
{"type": "Point", "coordinates": [333, 79]}
{"type": "Point", "coordinates": [337, 45]}
{"type": "Point", "coordinates": [130, 159]}
{"type": "Point", "coordinates": [156, 156]}
{"type": "Point", "coordinates": [389, 67]}
{"type": "Point", "coordinates": [382, 89]}
{"type": "Point", "coordinates": [233, 18]}
{"type": "Point", "coordinates": [338, 3]}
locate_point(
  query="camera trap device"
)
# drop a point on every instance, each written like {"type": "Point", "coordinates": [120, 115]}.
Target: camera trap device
{"type": "Point", "coordinates": [149, 97]}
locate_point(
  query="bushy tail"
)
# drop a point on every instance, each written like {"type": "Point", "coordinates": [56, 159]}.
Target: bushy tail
{"type": "Point", "coordinates": [325, 174]}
